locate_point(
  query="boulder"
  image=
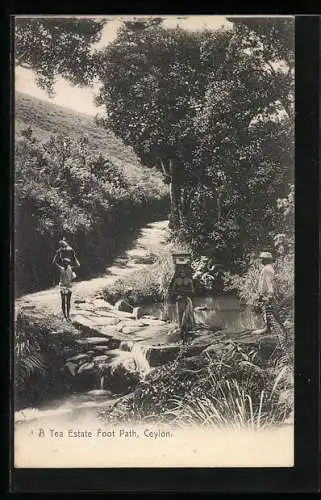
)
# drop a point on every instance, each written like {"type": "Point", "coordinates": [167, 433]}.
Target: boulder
{"type": "Point", "coordinates": [201, 342]}
{"type": "Point", "coordinates": [126, 362]}
{"type": "Point", "coordinates": [114, 343]}
{"type": "Point", "coordinates": [85, 307]}
{"type": "Point", "coordinates": [102, 348]}
{"type": "Point", "coordinates": [86, 368]}
{"type": "Point", "coordinates": [102, 312]}
{"type": "Point", "coordinates": [124, 315]}
{"type": "Point", "coordinates": [85, 324]}
{"type": "Point", "coordinates": [93, 341]}
{"type": "Point", "coordinates": [70, 369]}
{"type": "Point", "coordinates": [103, 358]}
{"type": "Point", "coordinates": [120, 375]}
{"type": "Point", "coordinates": [123, 379]}
{"type": "Point", "coordinates": [101, 303]}
{"type": "Point", "coordinates": [138, 312]}
{"type": "Point", "coordinates": [200, 308]}
{"type": "Point", "coordinates": [196, 364]}
{"type": "Point", "coordinates": [126, 345]}
{"type": "Point", "coordinates": [79, 357]}
{"type": "Point", "coordinates": [149, 316]}
{"type": "Point", "coordinates": [99, 393]}
{"type": "Point", "coordinates": [101, 321]}
{"type": "Point", "coordinates": [123, 306]}
{"type": "Point", "coordinates": [129, 329]}
{"type": "Point", "coordinates": [154, 321]}
{"type": "Point", "coordinates": [159, 355]}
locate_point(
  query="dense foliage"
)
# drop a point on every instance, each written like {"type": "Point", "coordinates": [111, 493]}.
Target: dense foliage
{"type": "Point", "coordinates": [246, 284]}
{"type": "Point", "coordinates": [57, 46]}
{"type": "Point", "coordinates": [213, 110]}
{"type": "Point", "coordinates": [61, 189]}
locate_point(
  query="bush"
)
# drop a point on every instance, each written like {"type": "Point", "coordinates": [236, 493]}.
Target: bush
{"type": "Point", "coordinates": [61, 189]}
{"type": "Point", "coordinates": [148, 284]}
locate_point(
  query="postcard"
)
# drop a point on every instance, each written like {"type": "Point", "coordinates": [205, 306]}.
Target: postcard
{"type": "Point", "coordinates": [154, 241]}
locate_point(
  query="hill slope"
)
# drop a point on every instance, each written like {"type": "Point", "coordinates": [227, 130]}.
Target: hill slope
{"type": "Point", "coordinates": [46, 119]}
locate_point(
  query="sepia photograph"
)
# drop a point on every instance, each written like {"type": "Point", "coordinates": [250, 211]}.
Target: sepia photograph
{"type": "Point", "coordinates": [153, 241]}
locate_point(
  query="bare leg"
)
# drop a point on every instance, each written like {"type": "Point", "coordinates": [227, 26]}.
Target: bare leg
{"type": "Point", "coordinates": [68, 298]}
{"type": "Point", "coordinates": [63, 304]}
{"type": "Point", "coordinates": [261, 331]}
{"type": "Point", "coordinates": [180, 306]}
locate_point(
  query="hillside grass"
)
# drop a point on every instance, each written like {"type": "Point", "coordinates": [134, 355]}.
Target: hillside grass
{"type": "Point", "coordinates": [48, 119]}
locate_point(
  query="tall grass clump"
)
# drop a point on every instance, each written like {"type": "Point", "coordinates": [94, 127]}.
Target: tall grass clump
{"type": "Point", "coordinates": [226, 387]}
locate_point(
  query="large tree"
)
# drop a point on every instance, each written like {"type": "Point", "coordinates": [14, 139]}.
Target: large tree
{"type": "Point", "coordinates": [246, 133]}
{"type": "Point", "coordinates": [153, 78]}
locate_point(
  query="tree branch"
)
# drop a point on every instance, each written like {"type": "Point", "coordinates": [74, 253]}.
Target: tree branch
{"type": "Point", "coordinates": [22, 65]}
{"type": "Point", "coordinates": [271, 67]}
{"type": "Point", "coordinates": [285, 105]}
{"type": "Point", "coordinates": [166, 171]}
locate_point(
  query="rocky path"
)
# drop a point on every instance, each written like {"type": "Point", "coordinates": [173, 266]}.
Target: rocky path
{"type": "Point", "coordinates": [152, 237]}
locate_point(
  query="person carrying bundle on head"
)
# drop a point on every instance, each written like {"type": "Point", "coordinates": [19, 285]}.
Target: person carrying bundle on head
{"type": "Point", "coordinates": [65, 251]}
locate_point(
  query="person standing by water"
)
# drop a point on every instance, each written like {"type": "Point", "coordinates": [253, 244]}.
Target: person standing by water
{"type": "Point", "coordinates": [67, 275]}
{"type": "Point", "coordinates": [266, 288]}
{"type": "Point", "coordinates": [273, 323]}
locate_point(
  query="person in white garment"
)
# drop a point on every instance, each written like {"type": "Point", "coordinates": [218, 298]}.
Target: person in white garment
{"type": "Point", "coordinates": [266, 289]}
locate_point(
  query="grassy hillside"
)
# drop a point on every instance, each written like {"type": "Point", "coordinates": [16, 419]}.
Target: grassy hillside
{"type": "Point", "coordinates": [48, 119]}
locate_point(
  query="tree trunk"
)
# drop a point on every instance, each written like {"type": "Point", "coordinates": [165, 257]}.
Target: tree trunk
{"type": "Point", "coordinates": [176, 209]}
{"type": "Point", "coordinates": [172, 174]}
{"type": "Point", "coordinates": [219, 206]}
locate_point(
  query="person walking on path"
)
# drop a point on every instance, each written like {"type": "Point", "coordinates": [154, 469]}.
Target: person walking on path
{"type": "Point", "coordinates": [67, 275]}
{"type": "Point", "coordinates": [64, 251]}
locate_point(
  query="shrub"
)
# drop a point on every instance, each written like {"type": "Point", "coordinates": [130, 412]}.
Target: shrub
{"type": "Point", "coordinates": [148, 284]}
{"type": "Point", "coordinates": [61, 189]}
{"type": "Point", "coordinates": [41, 345]}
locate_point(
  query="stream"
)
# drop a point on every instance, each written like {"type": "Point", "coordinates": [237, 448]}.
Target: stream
{"type": "Point", "coordinates": [218, 313]}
